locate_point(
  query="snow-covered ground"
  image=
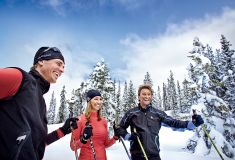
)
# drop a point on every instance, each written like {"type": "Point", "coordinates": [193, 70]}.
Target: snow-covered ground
{"type": "Point", "coordinates": [172, 144]}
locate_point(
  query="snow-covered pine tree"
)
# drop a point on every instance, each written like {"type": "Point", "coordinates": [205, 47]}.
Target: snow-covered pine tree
{"type": "Point", "coordinates": [125, 104]}
{"type": "Point", "coordinates": [165, 100]}
{"type": "Point", "coordinates": [113, 92]}
{"type": "Point", "coordinates": [172, 95]}
{"type": "Point", "coordinates": [148, 80]}
{"type": "Point", "coordinates": [132, 100]}
{"type": "Point", "coordinates": [73, 105]}
{"type": "Point", "coordinates": [100, 79]}
{"type": "Point", "coordinates": [51, 110]}
{"type": "Point", "coordinates": [214, 110]}
{"type": "Point", "coordinates": [228, 76]}
{"type": "Point", "coordinates": [159, 99]}
{"type": "Point", "coordinates": [186, 102]}
{"type": "Point", "coordinates": [179, 97]}
{"type": "Point", "coordinates": [63, 110]}
{"type": "Point", "coordinates": [80, 100]}
{"type": "Point", "coordinates": [119, 108]}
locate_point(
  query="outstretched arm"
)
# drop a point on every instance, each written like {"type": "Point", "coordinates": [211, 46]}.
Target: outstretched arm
{"type": "Point", "coordinates": [169, 121]}
{"type": "Point", "coordinates": [70, 123]}
{"type": "Point", "coordinates": [178, 125]}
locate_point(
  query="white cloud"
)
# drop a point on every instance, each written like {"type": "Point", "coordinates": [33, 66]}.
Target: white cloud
{"type": "Point", "coordinates": [169, 51]}
{"type": "Point", "coordinates": [63, 7]}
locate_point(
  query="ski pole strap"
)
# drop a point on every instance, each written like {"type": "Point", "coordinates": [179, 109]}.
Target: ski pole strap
{"type": "Point", "coordinates": [121, 139]}
{"type": "Point", "coordinates": [141, 146]}
{"type": "Point", "coordinates": [93, 149]}
{"type": "Point", "coordinates": [204, 129]}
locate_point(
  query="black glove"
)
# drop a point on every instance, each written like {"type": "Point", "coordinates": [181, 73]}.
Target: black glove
{"type": "Point", "coordinates": [69, 123]}
{"type": "Point", "coordinates": [119, 131]}
{"type": "Point", "coordinates": [133, 136]}
{"type": "Point", "coordinates": [87, 133]}
{"type": "Point", "coordinates": [197, 120]}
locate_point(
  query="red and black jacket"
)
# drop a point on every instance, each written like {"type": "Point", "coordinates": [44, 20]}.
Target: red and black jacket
{"type": "Point", "coordinates": [23, 133]}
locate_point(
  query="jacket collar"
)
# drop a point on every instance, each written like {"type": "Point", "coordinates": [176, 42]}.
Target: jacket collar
{"type": "Point", "coordinates": [145, 109]}
{"type": "Point", "coordinates": [44, 85]}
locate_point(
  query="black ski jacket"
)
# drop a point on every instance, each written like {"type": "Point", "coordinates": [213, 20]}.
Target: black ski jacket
{"type": "Point", "coordinates": [148, 123]}
{"type": "Point", "coordinates": [23, 120]}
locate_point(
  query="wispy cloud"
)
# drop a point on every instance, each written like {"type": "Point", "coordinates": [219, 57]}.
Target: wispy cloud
{"type": "Point", "coordinates": [64, 7]}
{"type": "Point", "coordinates": [169, 51]}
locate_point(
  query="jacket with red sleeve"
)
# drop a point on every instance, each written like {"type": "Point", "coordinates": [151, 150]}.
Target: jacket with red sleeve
{"type": "Point", "coordinates": [23, 121]}
{"type": "Point", "coordinates": [100, 138]}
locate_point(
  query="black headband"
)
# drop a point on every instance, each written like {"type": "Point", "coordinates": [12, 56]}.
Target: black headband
{"type": "Point", "coordinates": [47, 53]}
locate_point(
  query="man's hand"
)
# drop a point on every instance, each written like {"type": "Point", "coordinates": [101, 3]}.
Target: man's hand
{"type": "Point", "coordinates": [119, 131]}
{"type": "Point", "coordinates": [197, 120]}
{"type": "Point", "coordinates": [70, 123]}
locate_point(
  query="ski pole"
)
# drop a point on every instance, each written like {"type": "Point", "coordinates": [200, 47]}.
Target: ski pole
{"type": "Point", "coordinates": [208, 135]}
{"type": "Point", "coordinates": [92, 144]}
{"type": "Point", "coordinates": [204, 129]}
{"type": "Point", "coordinates": [121, 139]}
{"type": "Point", "coordinates": [93, 148]}
{"type": "Point", "coordinates": [141, 146]}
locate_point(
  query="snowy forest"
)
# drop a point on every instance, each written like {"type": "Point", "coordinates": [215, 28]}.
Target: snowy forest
{"type": "Point", "coordinates": [209, 88]}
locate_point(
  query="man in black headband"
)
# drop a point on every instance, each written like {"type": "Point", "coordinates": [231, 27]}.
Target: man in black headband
{"type": "Point", "coordinates": [23, 121]}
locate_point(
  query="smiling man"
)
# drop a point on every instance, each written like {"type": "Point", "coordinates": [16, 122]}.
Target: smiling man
{"type": "Point", "coordinates": [23, 121]}
{"type": "Point", "coordinates": [145, 122]}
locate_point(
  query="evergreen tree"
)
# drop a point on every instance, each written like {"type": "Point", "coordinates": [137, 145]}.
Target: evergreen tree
{"type": "Point", "coordinates": [159, 98]}
{"type": "Point", "coordinates": [132, 100]}
{"type": "Point", "coordinates": [172, 94]}
{"type": "Point", "coordinates": [214, 109]}
{"type": "Point", "coordinates": [100, 79]}
{"type": "Point", "coordinates": [165, 101]}
{"type": "Point", "coordinates": [51, 110]}
{"type": "Point", "coordinates": [74, 107]}
{"type": "Point", "coordinates": [80, 100]}
{"type": "Point", "coordinates": [113, 92]}
{"type": "Point", "coordinates": [147, 79]}
{"type": "Point", "coordinates": [119, 108]}
{"type": "Point", "coordinates": [125, 104]}
{"type": "Point", "coordinates": [228, 76]}
{"type": "Point", "coordinates": [187, 100]}
{"type": "Point", "coordinates": [179, 97]}
{"type": "Point", "coordinates": [63, 111]}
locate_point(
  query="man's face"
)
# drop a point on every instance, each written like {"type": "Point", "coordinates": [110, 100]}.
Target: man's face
{"type": "Point", "coordinates": [145, 97]}
{"type": "Point", "coordinates": [51, 69]}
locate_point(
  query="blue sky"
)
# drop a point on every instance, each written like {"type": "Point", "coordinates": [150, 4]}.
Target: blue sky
{"type": "Point", "coordinates": [133, 36]}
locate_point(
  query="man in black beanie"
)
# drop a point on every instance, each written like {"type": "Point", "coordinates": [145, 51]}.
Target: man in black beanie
{"type": "Point", "coordinates": [23, 121]}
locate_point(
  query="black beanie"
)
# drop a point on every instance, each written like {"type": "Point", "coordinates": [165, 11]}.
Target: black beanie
{"type": "Point", "coordinates": [91, 94]}
{"type": "Point", "coordinates": [47, 53]}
